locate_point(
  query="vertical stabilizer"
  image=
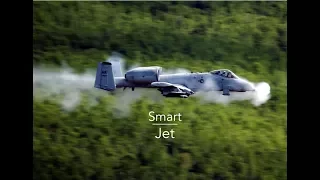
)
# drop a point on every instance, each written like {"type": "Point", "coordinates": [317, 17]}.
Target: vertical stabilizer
{"type": "Point", "coordinates": [104, 77]}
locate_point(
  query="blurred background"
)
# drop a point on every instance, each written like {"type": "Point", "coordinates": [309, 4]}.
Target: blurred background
{"type": "Point", "coordinates": [83, 133]}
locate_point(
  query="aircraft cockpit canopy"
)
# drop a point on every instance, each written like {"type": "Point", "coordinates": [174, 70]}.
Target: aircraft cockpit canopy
{"type": "Point", "coordinates": [224, 73]}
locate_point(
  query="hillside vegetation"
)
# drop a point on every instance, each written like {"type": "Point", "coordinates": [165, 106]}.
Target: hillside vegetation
{"type": "Point", "coordinates": [214, 141]}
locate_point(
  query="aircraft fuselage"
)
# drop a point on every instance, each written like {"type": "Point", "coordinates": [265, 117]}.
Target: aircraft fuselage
{"type": "Point", "coordinates": [194, 81]}
{"type": "Point", "coordinates": [170, 85]}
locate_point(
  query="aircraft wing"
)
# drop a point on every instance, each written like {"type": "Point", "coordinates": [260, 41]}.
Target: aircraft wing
{"type": "Point", "coordinates": [172, 90]}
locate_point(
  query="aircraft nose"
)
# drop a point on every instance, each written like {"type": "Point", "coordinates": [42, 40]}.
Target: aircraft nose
{"type": "Point", "coordinates": [249, 87]}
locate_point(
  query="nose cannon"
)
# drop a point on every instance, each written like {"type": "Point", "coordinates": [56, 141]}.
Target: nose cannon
{"type": "Point", "coordinates": [245, 85]}
{"type": "Point", "coordinates": [249, 87]}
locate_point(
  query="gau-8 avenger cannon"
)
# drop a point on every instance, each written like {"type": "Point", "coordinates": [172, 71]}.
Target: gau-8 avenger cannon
{"type": "Point", "coordinates": [109, 78]}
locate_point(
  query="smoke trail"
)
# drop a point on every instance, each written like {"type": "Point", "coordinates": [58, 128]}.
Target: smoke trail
{"type": "Point", "coordinates": [64, 84]}
{"type": "Point", "coordinates": [68, 86]}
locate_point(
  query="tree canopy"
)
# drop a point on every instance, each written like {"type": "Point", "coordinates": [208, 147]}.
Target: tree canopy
{"type": "Point", "coordinates": [214, 141]}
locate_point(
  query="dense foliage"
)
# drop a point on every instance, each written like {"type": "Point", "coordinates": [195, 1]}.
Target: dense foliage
{"type": "Point", "coordinates": [238, 141]}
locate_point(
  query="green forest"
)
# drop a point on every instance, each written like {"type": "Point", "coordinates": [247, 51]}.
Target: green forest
{"type": "Point", "coordinates": [238, 141]}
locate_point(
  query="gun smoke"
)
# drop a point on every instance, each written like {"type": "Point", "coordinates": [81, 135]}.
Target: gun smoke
{"type": "Point", "coordinates": [67, 86]}
{"type": "Point", "coordinates": [257, 98]}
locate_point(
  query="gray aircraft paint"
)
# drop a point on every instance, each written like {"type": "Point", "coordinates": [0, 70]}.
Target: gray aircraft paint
{"type": "Point", "coordinates": [170, 85]}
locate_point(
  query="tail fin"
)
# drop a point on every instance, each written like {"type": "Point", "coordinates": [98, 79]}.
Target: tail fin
{"type": "Point", "coordinates": [104, 77]}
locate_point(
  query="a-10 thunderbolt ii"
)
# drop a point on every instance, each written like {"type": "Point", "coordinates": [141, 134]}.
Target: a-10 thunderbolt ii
{"type": "Point", "coordinates": [109, 78]}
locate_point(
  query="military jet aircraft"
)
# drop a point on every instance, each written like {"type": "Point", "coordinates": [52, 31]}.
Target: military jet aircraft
{"type": "Point", "coordinates": [170, 85]}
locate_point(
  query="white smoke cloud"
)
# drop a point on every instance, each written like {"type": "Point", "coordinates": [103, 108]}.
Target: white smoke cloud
{"type": "Point", "coordinates": [117, 64]}
{"type": "Point", "coordinates": [68, 86]}
{"type": "Point", "coordinates": [260, 96]}
{"type": "Point", "coordinates": [124, 98]}
{"type": "Point", "coordinates": [65, 84]}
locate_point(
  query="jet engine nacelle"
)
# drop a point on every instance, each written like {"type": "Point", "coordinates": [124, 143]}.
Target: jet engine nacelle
{"type": "Point", "coordinates": [143, 74]}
